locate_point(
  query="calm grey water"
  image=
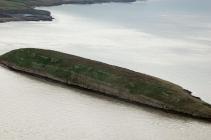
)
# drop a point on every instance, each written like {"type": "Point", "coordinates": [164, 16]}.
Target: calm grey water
{"type": "Point", "coordinates": [169, 39]}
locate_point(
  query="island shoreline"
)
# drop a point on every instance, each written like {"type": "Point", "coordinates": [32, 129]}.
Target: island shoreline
{"type": "Point", "coordinates": [96, 93]}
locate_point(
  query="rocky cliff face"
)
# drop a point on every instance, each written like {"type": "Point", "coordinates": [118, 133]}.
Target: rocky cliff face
{"type": "Point", "coordinates": [107, 79]}
{"type": "Point", "coordinates": [25, 15]}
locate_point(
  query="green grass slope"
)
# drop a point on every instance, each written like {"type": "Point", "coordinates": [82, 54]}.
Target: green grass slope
{"type": "Point", "coordinates": [24, 4]}
{"type": "Point", "coordinates": [13, 5]}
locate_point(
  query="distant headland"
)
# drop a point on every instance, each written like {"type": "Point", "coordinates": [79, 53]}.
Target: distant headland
{"type": "Point", "coordinates": [23, 10]}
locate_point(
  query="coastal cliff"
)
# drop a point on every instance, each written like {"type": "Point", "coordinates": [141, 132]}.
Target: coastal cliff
{"type": "Point", "coordinates": [24, 15]}
{"type": "Point", "coordinates": [23, 10]}
{"type": "Point", "coordinates": [106, 79]}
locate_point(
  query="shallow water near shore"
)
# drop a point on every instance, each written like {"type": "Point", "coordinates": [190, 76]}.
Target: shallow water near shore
{"type": "Point", "coordinates": [167, 39]}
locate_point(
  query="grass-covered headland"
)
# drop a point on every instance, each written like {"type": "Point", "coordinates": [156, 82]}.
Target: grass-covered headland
{"type": "Point", "coordinates": [23, 10]}
{"type": "Point", "coordinates": [107, 79]}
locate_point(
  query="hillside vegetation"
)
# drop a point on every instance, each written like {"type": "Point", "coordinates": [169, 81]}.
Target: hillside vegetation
{"type": "Point", "coordinates": [13, 4]}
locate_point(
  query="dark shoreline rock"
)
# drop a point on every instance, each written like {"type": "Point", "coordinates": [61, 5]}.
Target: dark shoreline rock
{"type": "Point", "coordinates": [107, 79]}
{"type": "Point", "coordinates": [31, 14]}
{"type": "Point", "coordinates": [25, 15]}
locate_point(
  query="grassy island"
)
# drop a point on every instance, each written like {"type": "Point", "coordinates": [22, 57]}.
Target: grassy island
{"type": "Point", "coordinates": [107, 79]}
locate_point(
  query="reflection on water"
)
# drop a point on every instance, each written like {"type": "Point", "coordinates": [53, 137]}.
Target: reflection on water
{"type": "Point", "coordinates": [165, 38]}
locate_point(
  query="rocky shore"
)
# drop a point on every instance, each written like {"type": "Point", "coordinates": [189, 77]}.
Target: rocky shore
{"type": "Point", "coordinates": [25, 15]}
{"type": "Point", "coordinates": [107, 79]}
{"type": "Point", "coordinates": [26, 12]}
